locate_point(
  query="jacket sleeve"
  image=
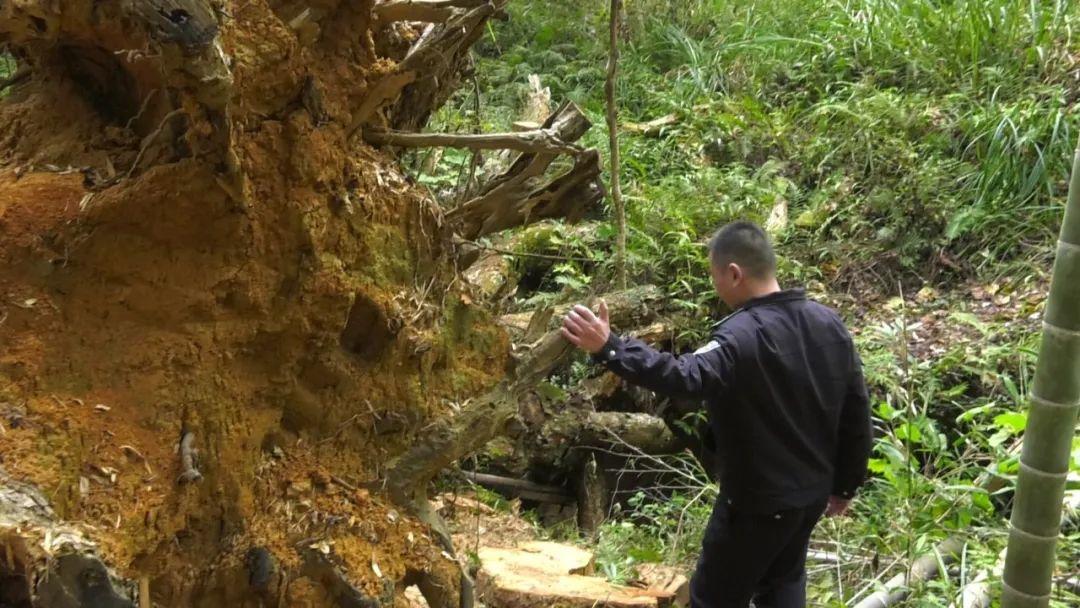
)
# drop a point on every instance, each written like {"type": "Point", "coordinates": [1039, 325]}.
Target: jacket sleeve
{"type": "Point", "coordinates": [703, 372]}
{"type": "Point", "coordinates": [855, 435]}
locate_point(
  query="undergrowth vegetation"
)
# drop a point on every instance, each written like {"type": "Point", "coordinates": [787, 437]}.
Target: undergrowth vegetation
{"type": "Point", "coordinates": [890, 147]}
{"type": "Point", "coordinates": [911, 140]}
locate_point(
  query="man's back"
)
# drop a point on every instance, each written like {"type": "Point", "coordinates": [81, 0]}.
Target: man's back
{"type": "Point", "coordinates": [778, 421]}
{"type": "Point", "coordinates": [788, 407]}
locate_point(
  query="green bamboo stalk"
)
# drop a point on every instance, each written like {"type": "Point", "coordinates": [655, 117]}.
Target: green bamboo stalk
{"type": "Point", "coordinates": [1054, 402]}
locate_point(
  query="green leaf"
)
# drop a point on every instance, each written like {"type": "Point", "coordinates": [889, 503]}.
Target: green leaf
{"type": "Point", "coordinates": [1013, 421]}
{"type": "Point", "coordinates": [877, 465]}
{"type": "Point", "coordinates": [909, 432]}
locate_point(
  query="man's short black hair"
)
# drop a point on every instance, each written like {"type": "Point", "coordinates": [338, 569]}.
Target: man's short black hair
{"type": "Point", "coordinates": [746, 244]}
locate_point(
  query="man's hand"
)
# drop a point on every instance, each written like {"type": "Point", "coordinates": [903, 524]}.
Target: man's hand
{"type": "Point", "coordinates": [585, 330]}
{"type": "Point", "coordinates": [837, 506]}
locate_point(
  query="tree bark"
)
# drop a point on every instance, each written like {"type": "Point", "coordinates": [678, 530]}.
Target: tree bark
{"type": "Point", "coordinates": [1054, 402]}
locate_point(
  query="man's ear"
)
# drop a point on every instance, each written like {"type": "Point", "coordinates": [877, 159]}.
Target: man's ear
{"type": "Point", "coordinates": [736, 273]}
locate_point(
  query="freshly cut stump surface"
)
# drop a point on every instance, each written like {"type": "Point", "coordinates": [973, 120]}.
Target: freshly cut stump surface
{"type": "Point", "coordinates": [547, 575]}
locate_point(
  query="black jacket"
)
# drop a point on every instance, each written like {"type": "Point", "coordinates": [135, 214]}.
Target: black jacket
{"type": "Point", "coordinates": [784, 389]}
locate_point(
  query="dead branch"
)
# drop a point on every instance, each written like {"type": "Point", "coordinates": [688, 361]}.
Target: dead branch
{"type": "Point", "coordinates": [432, 11]}
{"type": "Point", "coordinates": [515, 199]}
{"type": "Point", "coordinates": [527, 254]}
{"type": "Point", "coordinates": [429, 72]}
{"type": "Point", "coordinates": [538, 140]}
{"type": "Point", "coordinates": [520, 488]}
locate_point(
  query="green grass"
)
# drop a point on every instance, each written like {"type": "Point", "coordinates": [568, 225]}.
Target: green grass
{"type": "Point", "coordinates": [898, 133]}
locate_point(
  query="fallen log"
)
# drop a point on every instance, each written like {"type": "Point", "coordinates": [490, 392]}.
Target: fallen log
{"type": "Point", "coordinates": [536, 140]}
{"type": "Point", "coordinates": [432, 11]}
{"type": "Point", "coordinates": [636, 310]}
{"type": "Point", "coordinates": [520, 488]}
{"type": "Point", "coordinates": [456, 436]}
{"type": "Point", "coordinates": [646, 432]}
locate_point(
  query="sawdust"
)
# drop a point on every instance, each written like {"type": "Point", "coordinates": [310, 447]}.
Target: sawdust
{"type": "Point", "coordinates": [131, 310]}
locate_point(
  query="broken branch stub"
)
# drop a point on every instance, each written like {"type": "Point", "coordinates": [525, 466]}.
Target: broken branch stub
{"type": "Point", "coordinates": [515, 199]}
{"type": "Point", "coordinates": [429, 73]}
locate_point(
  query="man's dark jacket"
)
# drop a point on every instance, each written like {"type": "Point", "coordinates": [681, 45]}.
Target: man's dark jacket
{"type": "Point", "coordinates": [786, 398]}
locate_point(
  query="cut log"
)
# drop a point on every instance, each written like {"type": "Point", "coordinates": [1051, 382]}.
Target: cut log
{"type": "Point", "coordinates": [515, 199]}
{"type": "Point", "coordinates": [545, 556]}
{"type": "Point", "coordinates": [539, 575]}
{"type": "Point", "coordinates": [668, 579]}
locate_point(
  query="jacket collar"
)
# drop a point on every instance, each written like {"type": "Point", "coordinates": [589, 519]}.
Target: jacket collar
{"type": "Point", "coordinates": [784, 295]}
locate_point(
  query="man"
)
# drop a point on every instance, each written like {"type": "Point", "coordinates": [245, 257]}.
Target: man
{"type": "Point", "coordinates": [788, 409]}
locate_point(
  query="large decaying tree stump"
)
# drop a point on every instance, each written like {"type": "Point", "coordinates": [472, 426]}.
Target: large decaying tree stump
{"type": "Point", "coordinates": [235, 345]}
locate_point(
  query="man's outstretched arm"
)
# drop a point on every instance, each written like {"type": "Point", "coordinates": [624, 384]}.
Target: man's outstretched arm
{"type": "Point", "coordinates": [706, 371]}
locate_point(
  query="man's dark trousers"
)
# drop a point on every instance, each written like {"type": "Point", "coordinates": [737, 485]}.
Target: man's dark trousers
{"type": "Point", "coordinates": [759, 556]}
